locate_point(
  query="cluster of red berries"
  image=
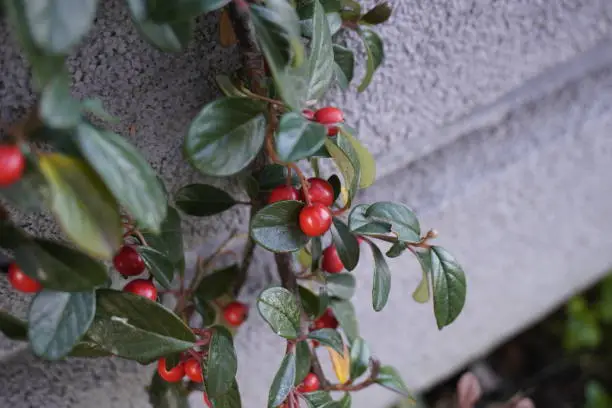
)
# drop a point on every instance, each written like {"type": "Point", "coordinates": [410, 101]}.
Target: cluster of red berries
{"type": "Point", "coordinates": [12, 164]}
{"type": "Point", "coordinates": [328, 116]}
{"type": "Point", "coordinates": [190, 368]}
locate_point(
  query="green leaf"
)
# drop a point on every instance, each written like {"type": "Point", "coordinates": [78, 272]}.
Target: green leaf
{"type": "Point", "coordinates": [57, 25]}
{"type": "Point", "coordinates": [346, 244]}
{"type": "Point", "coordinates": [582, 328]}
{"type": "Point", "coordinates": [283, 381]}
{"type": "Point", "coordinates": [404, 222]}
{"type": "Point", "coordinates": [137, 328]}
{"type": "Point", "coordinates": [230, 399]}
{"type": "Point", "coordinates": [389, 378]}
{"type": "Point", "coordinates": [319, 399]}
{"type": "Point", "coordinates": [313, 305]}
{"type": "Point", "coordinates": [351, 10]}
{"type": "Point", "coordinates": [163, 394]}
{"type": "Point", "coordinates": [344, 65]}
{"type": "Point", "coordinates": [375, 53]}
{"type": "Point", "coordinates": [302, 361]}
{"type": "Point", "coordinates": [366, 160]}
{"type": "Point", "coordinates": [207, 311]}
{"type": "Point", "coordinates": [222, 363]}
{"type": "Point", "coordinates": [58, 320]}
{"type": "Point", "coordinates": [167, 11]}
{"type": "Point", "coordinates": [158, 265]}
{"type": "Point", "coordinates": [321, 58]}
{"type": "Point", "coordinates": [96, 107]}
{"type": "Point", "coordinates": [328, 337]}
{"type": "Point", "coordinates": [306, 8]}
{"type": "Point", "coordinates": [378, 14]}
{"type": "Point", "coordinates": [334, 24]}
{"type": "Point", "coordinates": [382, 280]}
{"type": "Point", "coordinates": [203, 200]}
{"type": "Point", "coordinates": [449, 286]}
{"type": "Point", "coordinates": [82, 205]}
{"type": "Point", "coordinates": [396, 249]}
{"type": "Point", "coordinates": [126, 173]}
{"type": "Point", "coordinates": [345, 314]}
{"type": "Point", "coordinates": [169, 241]}
{"type": "Point", "coordinates": [12, 327]}
{"type": "Point", "coordinates": [58, 108]}
{"type": "Point", "coordinates": [341, 285]}
{"type": "Point", "coordinates": [29, 192]}
{"type": "Point", "coordinates": [336, 184]}
{"type": "Point", "coordinates": [360, 358]}
{"type": "Point", "coordinates": [346, 159]}
{"type": "Point", "coordinates": [605, 300]}
{"type": "Point", "coordinates": [274, 175]}
{"type": "Point", "coordinates": [421, 293]}
{"type": "Point", "coordinates": [227, 86]}
{"type": "Point", "coordinates": [316, 252]}
{"type": "Point", "coordinates": [596, 396]}
{"type": "Point", "coordinates": [298, 138]}
{"type": "Point", "coordinates": [345, 402]}
{"type": "Point", "coordinates": [226, 136]}
{"type": "Point", "coordinates": [88, 349]}
{"type": "Point", "coordinates": [361, 224]}
{"type": "Point", "coordinates": [276, 227]}
{"type": "Point", "coordinates": [217, 283]}
{"type": "Point", "coordinates": [279, 308]}
{"type": "Point", "coordinates": [59, 267]}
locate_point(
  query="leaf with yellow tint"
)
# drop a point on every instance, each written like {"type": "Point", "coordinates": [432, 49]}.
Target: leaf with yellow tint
{"type": "Point", "coordinates": [341, 364]}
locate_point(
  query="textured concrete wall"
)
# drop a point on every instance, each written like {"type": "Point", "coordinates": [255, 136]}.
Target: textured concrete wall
{"type": "Point", "coordinates": [502, 109]}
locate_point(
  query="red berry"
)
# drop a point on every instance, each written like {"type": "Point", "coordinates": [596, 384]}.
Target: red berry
{"type": "Point", "coordinates": [142, 287]}
{"type": "Point", "coordinates": [332, 130]}
{"type": "Point", "coordinates": [329, 115]}
{"type": "Point", "coordinates": [22, 282]}
{"type": "Point", "coordinates": [315, 219]}
{"type": "Point", "coordinates": [128, 261]}
{"type": "Point", "coordinates": [308, 114]}
{"type": "Point", "coordinates": [331, 261]}
{"type": "Point", "coordinates": [320, 191]}
{"type": "Point", "coordinates": [12, 164]}
{"type": "Point", "coordinates": [311, 383]}
{"type": "Point", "coordinates": [174, 374]}
{"type": "Point", "coordinates": [326, 321]}
{"type": "Point", "coordinates": [283, 193]}
{"type": "Point", "coordinates": [235, 313]}
{"type": "Point", "coordinates": [193, 370]}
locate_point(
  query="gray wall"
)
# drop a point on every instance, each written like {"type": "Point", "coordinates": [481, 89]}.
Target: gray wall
{"type": "Point", "coordinates": [490, 117]}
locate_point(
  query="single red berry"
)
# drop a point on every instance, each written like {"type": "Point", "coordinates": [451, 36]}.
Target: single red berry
{"type": "Point", "coordinates": [207, 402]}
{"type": "Point", "coordinates": [311, 383]}
{"type": "Point", "coordinates": [326, 321]}
{"type": "Point", "coordinates": [128, 261]}
{"type": "Point", "coordinates": [320, 191]}
{"type": "Point", "coordinates": [283, 193]}
{"type": "Point", "coordinates": [332, 130]}
{"type": "Point", "coordinates": [329, 115]}
{"type": "Point", "coordinates": [12, 164]}
{"type": "Point", "coordinates": [235, 313]}
{"type": "Point", "coordinates": [315, 219]}
{"type": "Point", "coordinates": [22, 282]}
{"type": "Point", "coordinates": [193, 370]}
{"type": "Point", "coordinates": [331, 260]}
{"type": "Point", "coordinates": [142, 287]}
{"type": "Point", "coordinates": [174, 374]}
{"type": "Point", "coordinates": [308, 114]}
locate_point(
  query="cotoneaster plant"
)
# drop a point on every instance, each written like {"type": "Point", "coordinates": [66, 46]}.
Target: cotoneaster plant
{"type": "Point", "coordinates": [271, 132]}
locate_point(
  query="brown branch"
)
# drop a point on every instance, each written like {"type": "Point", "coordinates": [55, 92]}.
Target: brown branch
{"type": "Point", "coordinates": [374, 371]}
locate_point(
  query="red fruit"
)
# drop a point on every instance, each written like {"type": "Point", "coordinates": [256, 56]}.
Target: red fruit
{"type": "Point", "coordinates": [331, 261]}
{"type": "Point", "coordinates": [311, 383]}
{"type": "Point", "coordinates": [283, 193]}
{"type": "Point", "coordinates": [329, 115]}
{"type": "Point", "coordinates": [235, 313]}
{"type": "Point", "coordinates": [22, 282]}
{"type": "Point", "coordinates": [128, 261]}
{"type": "Point", "coordinates": [315, 219]}
{"type": "Point", "coordinates": [308, 114]}
{"type": "Point", "coordinates": [174, 374]}
{"type": "Point", "coordinates": [332, 130]}
{"type": "Point", "coordinates": [320, 191]}
{"type": "Point", "coordinates": [12, 164]}
{"type": "Point", "coordinates": [142, 287]}
{"type": "Point", "coordinates": [193, 370]}
{"type": "Point", "coordinates": [326, 321]}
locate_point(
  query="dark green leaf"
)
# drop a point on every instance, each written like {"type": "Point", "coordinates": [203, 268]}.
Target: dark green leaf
{"type": "Point", "coordinates": [251, 186]}
{"type": "Point", "coordinates": [29, 192]}
{"type": "Point", "coordinates": [334, 181]}
{"type": "Point", "coordinates": [328, 337]}
{"type": "Point", "coordinates": [283, 381]}
{"type": "Point", "coordinates": [345, 402]}
{"type": "Point", "coordinates": [360, 358]}
{"type": "Point", "coordinates": [88, 349]}
{"type": "Point", "coordinates": [136, 328]}
{"type": "Point", "coordinates": [217, 283]}
{"type": "Point", "coordinates": [126, 173]}
{"type": "Point", "coordinates": [367, 164]}
{"type": "Point", "coordinates": [421, 293]}
{"type": "Point", "coordinates": [226, 136]}
{"type": "Point", "coordinates": [158, 265]}
{"type": "Point", "coordinates": [169, 241]}
{"type": "Point", "coordinates": [378, 14]}
{"type": "Point", "coordinates": [404, 222]}
{"type": "Point", "coordinates": [351, 10]}
{"type": "Point", "coordinates": [57, 25]}
{"type": "Point", "coordinates": [345, 314]}
{"type": "Point", "coordinates": [382, 280]}
{"type": "Point", "coordinates": [58, 320]}
{"type": "Point", "coordinates": [306, 8]}
{"type": "Point", "coordinates": [596, 395]}
{"type": "Point", "coordinates": [396, 249]}
{"type": "Point", "coordinates": [319, 399]}
{"type": "Point", "coordinates": [276, 227]}
{"type": "Point", "coordinates": [334, 24]}
{"type": "Point", "coordinates": [389, 378]}
{"type": "Point", "coordinates": [163, 394]}
{"type": "Point", "coordinates": [375, 53]}
{"type": "Point", "coordinates": [96, 107]}
{"type": "Point", "coordinates": [346, 244]}
{"type": "Point", "coordinates": [321, 58]}
{"type": "Point", "coordinates": [298, 138]}
{"type": "Point", "coordinates": [83, 206]}
{"type": "Point", "coordinates": [344, 66]}
{"type": "Point", "coordinates": [168, 11]}
{"type": "Point", "coordinates": [274, 175]}
{"type": "Point", "coordinates": [207, 311]}
{"type": "Point", "coordinates": [302, 361]}
{"type": "Point", "coordinates": [341, 285]}
{"type": "Point", "coordinates": [346, 159]}
{"type": "Point", "coordinates": [582, 327]}
{"type": "Point", "coordinates": [202, 200]}
{"type": "Point", "coordinates": [449, 286]}
{"type": "Point", "coordinates": [279, 308]}
{"type": "Point", "coordinates": [316, 252]}
{"type": "Point", "coordinates": [58, 108]}
{"type": "Point", "coordinates": [12, 327]}
{"type": "Point", "coordinates": [230, 399]}
{"type": "Point", "coordinates": [360, 224]}
{"type": "Point", "coordinates": [311, 303]}
{"type": "Point", "coordinates": [221, 364]}
{"type": "Point", "coordinates": [227, 86]}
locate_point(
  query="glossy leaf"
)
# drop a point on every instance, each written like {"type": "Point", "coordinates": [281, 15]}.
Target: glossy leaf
{"type": "Point", "coordinates": [206, 311]}
{"type": "Point", "coordinates": [306, 8]}
{"type": "Point", "coordinates": [158, 265]}
{"type": "Point", "coordinates": [396, 249]}
{"type": "Point", "coordinates": [29, 192]}
{"type": "Point", "coordinates": [58, 109]}
{"type": "Point", "coordinates": [163, 394]}
{"type": "Point", "coordinates": [360, 358]}
{"type": "Point", "coordinates": [58, 320]}
{"type": "Point", "coordinates": [378, 14]}
{"type": "Point", "coordinates": [222, 363]}
{"type": "Point", "coordinates": [328, 337]}
{"type": "Point", "coordinates": [316, 252]}
{"type": "Point", "coordinates": [321, 58]}
{"type": "Point", "coordinates": [298, 138]}
{"type": "Point", "coordinates": [345, 402]}
{"type": "Point", "coordinates": [344, 65]}
{"type": "Point", "coordinates": [421, 293]}
{"type": "Point", "coordinates": [217, 283]}
{"type": "Point", "coordinates": [346, 244]}
{"type": "Point", "coordinates": [336, 184]}
{"type": "Point", "coordinates": [302, 361]}
{"type": "Point", "coordinates": [345, 314]}
{"type": "Point", "coordinates": [276, 227]}
{"type": "Point", "coordinates": [168, 11]}
{"type": "Point", "coordinates": [382, 280]}
{"type": "Point", "coordinates": [389, 378]}
{"type": "Point", "coordinates": [230, 399]}
{"type": "Point", "coordinates": [86, 348]}
{"type": "Point", "coordinates": [280, 310]}
{"type": "Point", "coordinates": [137, 328]}
{"type": "Point", "coordinates": [319, 399]}
{"type": "Point", "coordinates": [126, 173]}
{"type": "Point", "coordinates": [375, 55]}
{"type": "Point", "coordinates": [203, 200]}
{"type": "Point", "coordinates": [346, 159]}
{"type": "Point", "coordinates": [283, 381]}
{"type": "Point", "coordinates": [226, 136]}
{"type": "Point", "coordinates": [351, 10]}
{"type": "Point", "coordinates": [96, 107]}
{"type": "Point", "coordinates": [169, 241]}
{"type": "Point", "coordinates": [449, 286]}
{"type": "Point", "coordinates": [366, 160]}
{"type": "Point", "coordinates": [404, 222]}
{"type": "Point", "coordinates": [334, 24]}
{"type": "Point", "coordinates": [12, 327]}
{"type": "Point", "coordinates": [340, 285]}
{"type": "Point", "coordinates": [361, 224]}
{"type": "Point", "coordinates": [341, 364]}
{"type": "Point", "coordinates": [312, 304]}
{"type": "Point", "coordinates": [227, 86]}
{"type": "Point", "coordinates": [274, 175]}
{"type": "Point", "coordinates": [82, 205]}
